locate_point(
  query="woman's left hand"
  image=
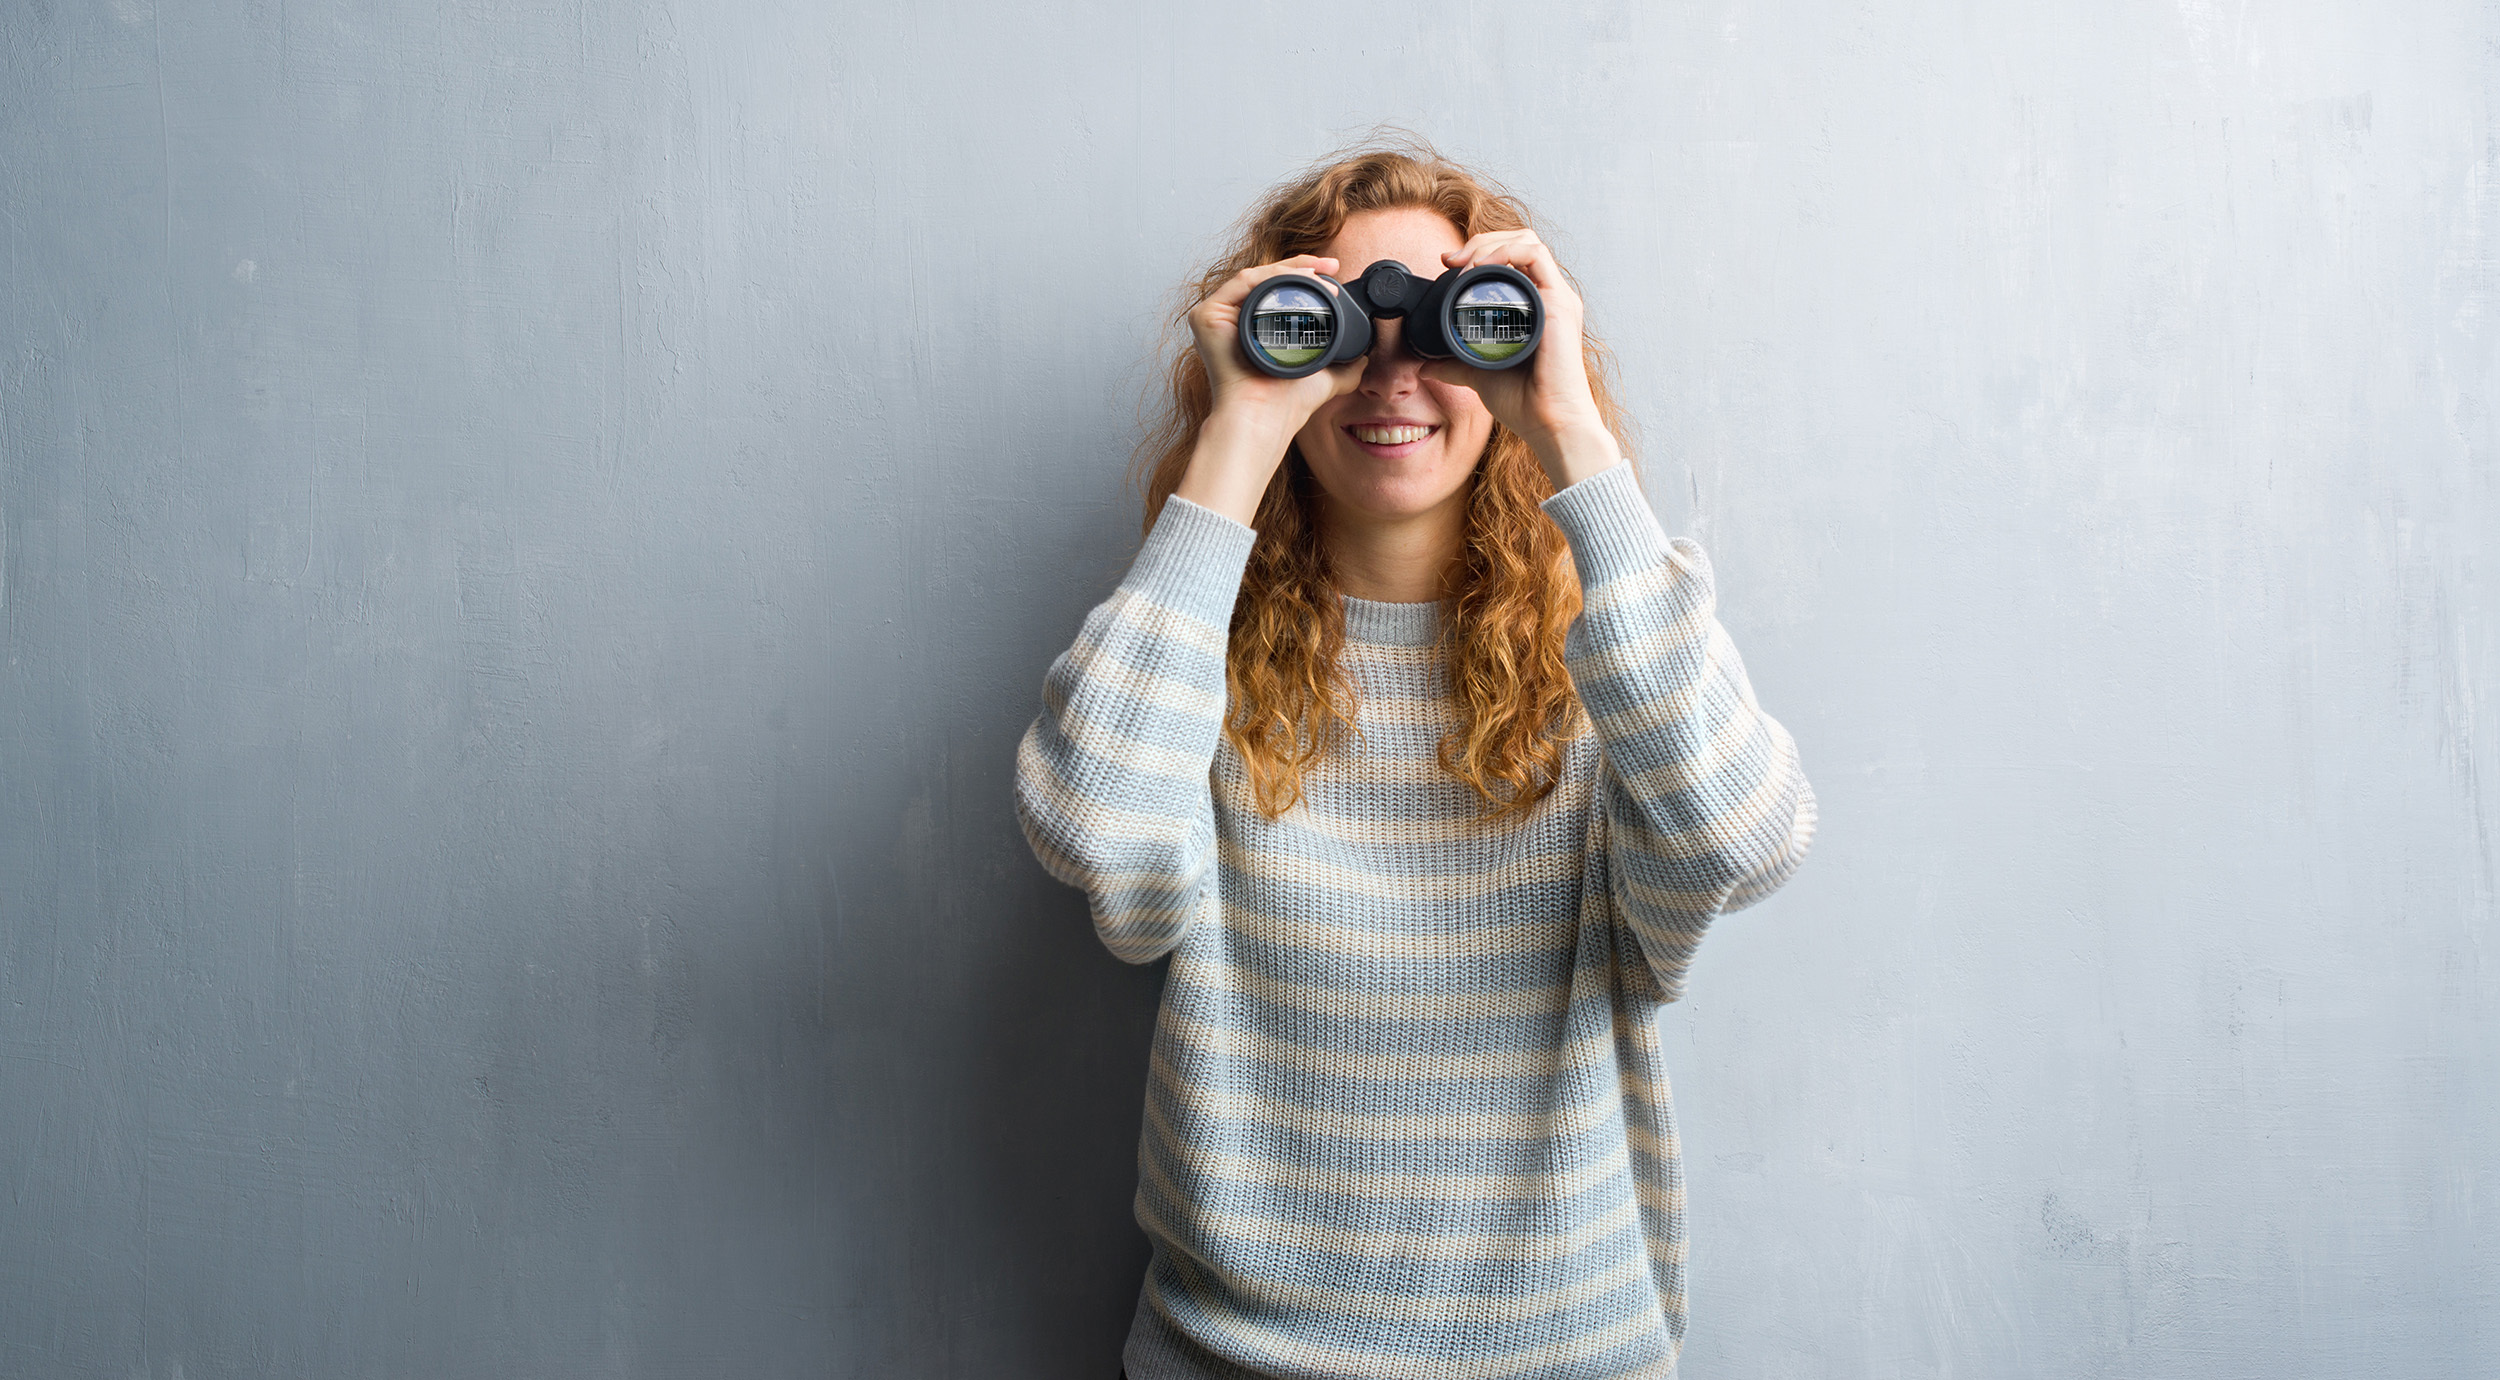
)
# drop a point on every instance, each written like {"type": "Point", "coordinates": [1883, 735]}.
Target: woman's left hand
{"type": "Point", "coordinates": [1548, 403]}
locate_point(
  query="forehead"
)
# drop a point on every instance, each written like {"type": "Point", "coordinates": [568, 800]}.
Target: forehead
{"type": "Point", "coordinates": [1412, 235]}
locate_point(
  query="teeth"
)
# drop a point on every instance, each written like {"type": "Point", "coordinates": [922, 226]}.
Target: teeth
{"type": "Point", "coordinates": [1390, 435]}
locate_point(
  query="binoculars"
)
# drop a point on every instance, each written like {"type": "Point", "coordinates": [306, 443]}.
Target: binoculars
{"type": "Point", "coordinates": [1486, 314]}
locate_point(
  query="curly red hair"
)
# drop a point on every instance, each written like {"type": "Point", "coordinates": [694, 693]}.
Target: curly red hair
{"type": "Point", "coordinates": [1513, 589]}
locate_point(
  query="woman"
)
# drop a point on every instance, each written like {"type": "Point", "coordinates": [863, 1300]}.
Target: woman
{"type": "Point", "coordinates": [1415, 744]}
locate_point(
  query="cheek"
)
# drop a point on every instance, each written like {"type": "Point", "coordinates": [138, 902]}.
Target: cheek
{"type": "Point", "coordinates": [1320, 432]}
{"type": "Point", "coordinates": [1463, 412]}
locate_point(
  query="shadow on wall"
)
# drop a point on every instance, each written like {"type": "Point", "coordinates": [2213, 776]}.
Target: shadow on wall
{"type": "Point", "coordinates": [1060, 1084]}
{"type": "Point", "coordinates": [996, 1064]}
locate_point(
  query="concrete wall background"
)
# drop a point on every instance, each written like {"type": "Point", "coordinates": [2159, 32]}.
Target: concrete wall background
{"type": "Point", "coordinates": [528, 535]}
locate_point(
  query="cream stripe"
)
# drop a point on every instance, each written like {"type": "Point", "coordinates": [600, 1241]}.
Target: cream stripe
{"type": "Point", "coordinates": [1736, 731]}
{"type": "Point", "coordinates": [1373, 769]}
{"type": "Point", "coordinates": [1056, 861]}
{"type": "Point", "coordinates": [1369, 767]}
{"type": "Point", "coordinates": [1149, 879]}
{"type": "Point", "coordinates": [1510, 1248]}
{"type": "Point", "coordinates": [1141, 927]}
{"type": "Point", "coordinates": [1538, 1186]}
{"type": "Point", "coordinates": [1671, 580]}
{"type": "Point", "coordinates": [1763, 880]}
{"type": "Point", "coordinates": [1732, 825]}
{"type": "Point", "coordinates": [1139, 933]}
{"type": "Point", "coordinates": [1650, 1143]}
{"type": "Point", "coordinates": [1333, 806]}
{"type": "Point", "coordinates": [1415, 660]}
{"type": "Point", "coordinates": [1037, 772]}
{"type": "Point", "coordinates": [1159, 620]}
{"type": "Point", "coordinates": [1473, 828]}
{"type": "Point", "coordinates": [1486, 941]}
{"type": "Point", "coordinates": [1458, 1308]}
{"type": "Point", "coordinates": [1690, 910]}
{"type": "Point", "coordinates": [1657, 1197]}
{"type": "Point", "coordinates": [1544, 1126]}
{"type": "Point", "coordinates": [1635, 654]}
{"type": "Point", "coordinates": [1637, 684]}
{"type": "Point", "coordinates": [1220, 1044]}
{"type": "Point", "coordinates": [1099, 671]}
{"type": "Point", "coordinates": [1342, 1003]}
{"type": "Point", "coordinates": [1111, 747]}
{"type": "Point", "coordinates": [1381, 708]}
{"type": "Point", "coordinates": [1288, 869]}
{"type": "Point", "coordinates": [1224, 1045]}
{"type": "Point", "coordinates": [1508, 1365]}
{"type": "Point", "coordinates": [1136, 940]}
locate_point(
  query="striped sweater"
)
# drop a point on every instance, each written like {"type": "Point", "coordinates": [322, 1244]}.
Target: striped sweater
{"type": "Point", "coordinates": [1405, 1110]}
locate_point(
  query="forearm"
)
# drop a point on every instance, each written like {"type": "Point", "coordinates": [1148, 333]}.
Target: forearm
{"type": "Point", "coordinates": [1112, 778]}
{"type": "Point", "coordinates": [1702, 781]}
{"type": "Point", "coordinates": [1237, 453]}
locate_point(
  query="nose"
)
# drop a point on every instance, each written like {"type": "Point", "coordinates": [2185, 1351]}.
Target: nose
{"type": "Point", "coordinates": [1389, 371]}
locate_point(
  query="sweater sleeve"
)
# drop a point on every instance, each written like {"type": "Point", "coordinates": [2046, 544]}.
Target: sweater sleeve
{"type": "Point", "coordinates": [1705, 808]}
{"type": "Point", "coordinates": [1112, 780]}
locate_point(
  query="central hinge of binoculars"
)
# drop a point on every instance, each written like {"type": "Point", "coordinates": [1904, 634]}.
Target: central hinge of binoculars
{"type": "Point", "coordinates": [1387, 288]}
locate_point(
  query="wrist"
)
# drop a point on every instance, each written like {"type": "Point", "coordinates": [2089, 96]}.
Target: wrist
{"type": "Point", "coordinates": [1236, 455]}
{"type": "Point", "coordinates": [1574, 453]}
{"type": "Point", "coordinates": [1249, 429]}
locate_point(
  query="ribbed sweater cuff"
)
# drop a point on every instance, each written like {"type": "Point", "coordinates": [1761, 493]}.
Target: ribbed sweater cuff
{"type": "Point", "coordinates": [1192, 561]}
{"type": "Point", "coordinates": [1609, 524]}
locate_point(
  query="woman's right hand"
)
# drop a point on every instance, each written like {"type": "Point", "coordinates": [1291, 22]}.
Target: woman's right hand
{"type": "Point", "coordinates": [1255, 416]}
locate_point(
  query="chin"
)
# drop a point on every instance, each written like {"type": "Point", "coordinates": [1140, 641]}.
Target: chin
{"type": "Point", "coordinates": [1389, 496]}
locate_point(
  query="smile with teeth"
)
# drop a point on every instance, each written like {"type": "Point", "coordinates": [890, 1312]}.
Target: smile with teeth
{"type": "Point", "coordinates": [1390, 435]}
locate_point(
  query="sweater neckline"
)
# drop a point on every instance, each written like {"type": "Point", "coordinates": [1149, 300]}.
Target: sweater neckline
{"type": "Point", "coordinates": [1396, 625]}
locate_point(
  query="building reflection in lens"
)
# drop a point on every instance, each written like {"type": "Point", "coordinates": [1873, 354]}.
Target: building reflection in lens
{"type": "Point", "coordinates": [1292, 325]}
{"type": "Point", "coordinates": [1493, 319]}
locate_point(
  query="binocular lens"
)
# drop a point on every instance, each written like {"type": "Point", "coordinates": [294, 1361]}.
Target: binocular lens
{"type": "Point", "coordinates": [1292, 325]}
{"type": "Point", "coordinates": [1493, 319]}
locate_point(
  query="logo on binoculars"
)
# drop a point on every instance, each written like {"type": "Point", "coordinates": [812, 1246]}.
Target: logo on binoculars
{"type": "Point", "coordinates": [1493, 319]}
{"type": "Point", "coordinates": [1292, 325]}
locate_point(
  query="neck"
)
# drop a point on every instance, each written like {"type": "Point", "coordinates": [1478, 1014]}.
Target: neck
{"type": "Point", "coordinates": [1396, 560]}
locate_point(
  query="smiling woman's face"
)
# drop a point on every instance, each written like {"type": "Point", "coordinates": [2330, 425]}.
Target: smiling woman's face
{"type": "Point", "coordinates": [1397, 446]}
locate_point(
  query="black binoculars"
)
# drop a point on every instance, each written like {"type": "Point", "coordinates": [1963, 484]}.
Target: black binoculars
{"type": "Point", "coordinates": [1486, 314]}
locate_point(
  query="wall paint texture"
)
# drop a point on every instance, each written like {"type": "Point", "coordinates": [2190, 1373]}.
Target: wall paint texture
{"type": "Point", "coordinates": [528, 535]}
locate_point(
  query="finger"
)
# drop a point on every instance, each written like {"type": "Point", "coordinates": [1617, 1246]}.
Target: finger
{"type": "Point", "coordinates": [1531, 258]}
{"type": "Point", "coordinates": [1477, 246]}
{"type": "Point", "coordinates": [1485, 239]}
{"type": "Point", "coordinates": [1235, 289]}
{"type": "Point", "coordinates": [1520, 249]}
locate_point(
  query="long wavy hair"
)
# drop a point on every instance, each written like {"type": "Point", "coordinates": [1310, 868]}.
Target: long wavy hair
{"type": "Point", "coordinates": [1513, 590]}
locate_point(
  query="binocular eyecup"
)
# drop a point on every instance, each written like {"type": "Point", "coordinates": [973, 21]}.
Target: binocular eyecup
{"type": "Point", "coordinates": [1488, 315]}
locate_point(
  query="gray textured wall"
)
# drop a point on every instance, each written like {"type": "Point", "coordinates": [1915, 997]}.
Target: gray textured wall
{"type": "Point", "coordinates": [530, 534]}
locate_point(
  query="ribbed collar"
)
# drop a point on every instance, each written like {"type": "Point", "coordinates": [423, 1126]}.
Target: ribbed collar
{"type": "Point", "coordinates": [1396, 625]}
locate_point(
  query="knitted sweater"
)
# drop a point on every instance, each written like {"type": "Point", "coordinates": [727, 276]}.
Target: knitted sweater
{"type": "Point", "coordinates": [1405, 1110]}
